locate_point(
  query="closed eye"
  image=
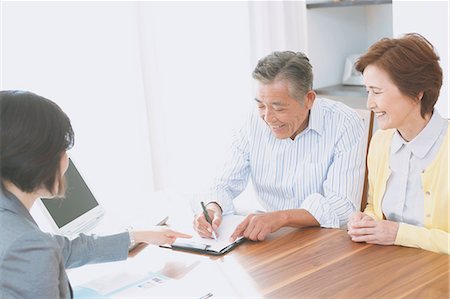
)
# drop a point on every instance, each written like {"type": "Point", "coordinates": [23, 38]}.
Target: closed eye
{"type": "Point", "coordinates": [374, 92]}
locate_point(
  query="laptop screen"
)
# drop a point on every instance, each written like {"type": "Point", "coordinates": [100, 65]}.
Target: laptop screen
{"type": "Point", "coordinates": [78, 199]}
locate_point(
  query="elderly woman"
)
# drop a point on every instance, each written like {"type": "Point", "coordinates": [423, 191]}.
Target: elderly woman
{"type": "Point", "coordinates": [34, 137]}
{"type": "Point", "coordinates": [408, 201]}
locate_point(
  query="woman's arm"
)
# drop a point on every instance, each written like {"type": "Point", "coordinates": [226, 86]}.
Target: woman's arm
{"type": "Point", "coordinates": [93, 249]}
{"type": "Point", "coordinates": [429, 239]}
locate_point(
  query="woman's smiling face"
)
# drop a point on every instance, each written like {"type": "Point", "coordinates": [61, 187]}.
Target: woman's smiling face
{"type": "Point", "coordinates": [392, 108]}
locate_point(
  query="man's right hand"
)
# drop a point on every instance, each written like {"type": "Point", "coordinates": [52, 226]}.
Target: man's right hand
{"type": "Point", "coordinates": [202, 226]}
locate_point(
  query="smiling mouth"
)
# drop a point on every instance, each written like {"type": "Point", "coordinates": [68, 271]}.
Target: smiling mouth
{"type": "Point", "coordinates": [276, 127]}
{"type": "Point", "coordinates": [379, 114]}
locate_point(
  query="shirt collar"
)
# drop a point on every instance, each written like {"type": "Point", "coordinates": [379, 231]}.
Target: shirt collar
{"type": "Point", "coordinates": [397, 142]}
{"type": "Point", "coordinates": [10, 202]}
{"type": "Point", "coordinates": [315, 121]}
{"type": "Point", "coordinates": [425, 140]}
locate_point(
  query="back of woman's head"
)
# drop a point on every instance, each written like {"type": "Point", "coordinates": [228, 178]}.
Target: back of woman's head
{"type": "Point", "coordinates": [412, 64]}
{"type": "Point", "coordinates": [34, 134]}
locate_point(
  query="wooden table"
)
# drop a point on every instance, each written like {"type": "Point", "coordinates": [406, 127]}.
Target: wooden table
{"type": "Point", "coordinates": [324, 263]}
{"type": "Point", "coordinates": [305, 263]}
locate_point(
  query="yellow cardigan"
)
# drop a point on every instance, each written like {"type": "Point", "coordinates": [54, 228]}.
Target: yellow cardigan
{"type": "Point", "coordinates": [434, 236]}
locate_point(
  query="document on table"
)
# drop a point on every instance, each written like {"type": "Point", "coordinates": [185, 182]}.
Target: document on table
{"type": "Point", "coordinates": [130, 285]}
{"type": "Point", "coordinates": [110, 286]}
{"type": "Point", "coordinates": [210, 246]}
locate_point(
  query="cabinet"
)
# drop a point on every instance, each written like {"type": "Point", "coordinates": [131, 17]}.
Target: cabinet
{"type": "Point", "coordinates": [353, 96]}
{"type": "Point", "coordinates": [341, 3]}
{"type": "Point", "coordinates": [337, 29]}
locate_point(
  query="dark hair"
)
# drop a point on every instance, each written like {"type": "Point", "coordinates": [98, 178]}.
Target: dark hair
{"type": "Point", "coordinates": [294, 67]}
{"type": "Point", "coordinates": [34, 134]}
{"type": "Point", "coordinates": [412, 64]}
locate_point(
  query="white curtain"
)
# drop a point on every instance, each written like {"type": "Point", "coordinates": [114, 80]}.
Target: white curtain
{"type": "Point", "coordinates": [277, 26]}
{"type": "Point", "coordinates": [197, 75]}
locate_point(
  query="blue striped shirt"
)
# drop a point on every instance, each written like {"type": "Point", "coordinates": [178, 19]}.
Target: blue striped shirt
{"type": "Point", "coordinates": [321, 170]}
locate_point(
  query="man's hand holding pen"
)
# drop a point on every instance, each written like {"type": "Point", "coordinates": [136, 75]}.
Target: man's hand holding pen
{"type": "Point", "coordinates": [204, 228]}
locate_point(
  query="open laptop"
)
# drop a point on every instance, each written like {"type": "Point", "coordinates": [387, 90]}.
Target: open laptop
{"type": "Point", "coordinates": [78, 212]}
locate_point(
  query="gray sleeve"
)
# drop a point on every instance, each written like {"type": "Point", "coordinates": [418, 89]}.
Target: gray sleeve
{"type": "Point", "coordinates": [30, 268]}
{"type": "Point", "coordinates": [93, 249]}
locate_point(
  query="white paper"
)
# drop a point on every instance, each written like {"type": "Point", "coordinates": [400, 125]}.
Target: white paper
{"type": "Point", "coordinates": [226, 229]}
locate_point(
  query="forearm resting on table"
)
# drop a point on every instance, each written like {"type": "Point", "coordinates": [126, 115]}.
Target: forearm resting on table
{"type": "Point", "coordinates": [436, 240]}
{"type": "Point", "coordinates": [291, 218]}
{"type": "Point", "coordinates": [298, 218]}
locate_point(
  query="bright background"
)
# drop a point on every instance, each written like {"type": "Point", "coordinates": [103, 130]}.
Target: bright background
{"type": "Point", "coordinates": [155, 89]}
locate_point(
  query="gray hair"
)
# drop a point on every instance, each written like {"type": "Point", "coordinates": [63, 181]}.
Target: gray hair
{"type": "Point", "coordinates": [294, 67]}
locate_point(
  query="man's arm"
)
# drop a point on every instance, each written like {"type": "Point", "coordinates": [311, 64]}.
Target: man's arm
{"type": "Point", "coordinates": [231, 182]}
{"type": "Point", "coordinates": [257, 226]}
{"type": "Point", "coordinates": [233, 178]}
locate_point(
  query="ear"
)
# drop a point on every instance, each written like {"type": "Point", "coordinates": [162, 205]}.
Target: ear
{"type": "Point", "coordinates": [419, 96]}
{"type": "Point", "coordinates": [309, 99]}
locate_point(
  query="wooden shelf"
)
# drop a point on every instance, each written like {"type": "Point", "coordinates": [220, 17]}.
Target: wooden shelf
{"type": "Point", "coordinates": [343, 90]}
{"type": "Point", "coordinates": [343, 3]}
{"type": "Point", "coordinates": [353, 96]}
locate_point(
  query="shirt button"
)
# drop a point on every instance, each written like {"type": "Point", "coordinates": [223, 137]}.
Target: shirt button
{"type": "Point", "coordinates": [428, 215]}
{"type": "Point", "coordinates": [427, 193]}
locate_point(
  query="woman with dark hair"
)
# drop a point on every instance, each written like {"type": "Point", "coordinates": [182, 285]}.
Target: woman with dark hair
{"type": "Point", "coordinates": [408, 202]}
{"type": "Point", "coordinates": [34, 137]}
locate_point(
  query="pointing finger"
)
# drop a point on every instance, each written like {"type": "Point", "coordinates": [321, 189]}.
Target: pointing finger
{"type": "Point", "coordinates": [240, 229]}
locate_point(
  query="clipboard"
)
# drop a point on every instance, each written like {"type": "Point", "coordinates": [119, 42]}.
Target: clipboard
{"type": "Point", "coordinates": [217, 247]}
{"type": "Point", "coordinates": [204, 248]}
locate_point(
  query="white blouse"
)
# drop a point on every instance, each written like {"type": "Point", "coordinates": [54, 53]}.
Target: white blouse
{"type": "Point", "coordinates": [403, 199]}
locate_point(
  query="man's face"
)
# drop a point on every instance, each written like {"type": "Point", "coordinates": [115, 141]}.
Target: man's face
{"type": "Point", "coordinates": [285, 116]}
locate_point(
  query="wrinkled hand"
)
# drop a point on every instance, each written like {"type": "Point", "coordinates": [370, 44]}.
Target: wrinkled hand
{"type": "Point", "coordinates": [356, 217]}
{"type": "Point", "coordinates": [159, 236]}
{"type": "Point", "coordinates": [382, 232]}
{"type": "Point", "coordinates": [257, 226]}
{"type": "Point", "coordinates": [202, 226]}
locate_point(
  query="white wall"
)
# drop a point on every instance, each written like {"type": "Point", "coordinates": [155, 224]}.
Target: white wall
{"type": "Point", "coordinates": [429, 18]}
{"type": "Point", "coordinates": [85, 57]}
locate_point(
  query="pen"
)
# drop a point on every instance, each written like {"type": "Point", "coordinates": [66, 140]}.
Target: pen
{"type": "Point", "coordinates": [208, 219]}
{"type": "Point", "coordinates": [209, 295]}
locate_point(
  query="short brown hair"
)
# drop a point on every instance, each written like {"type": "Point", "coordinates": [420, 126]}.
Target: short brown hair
{"type": "Point", "coordinates": [34, 134]}
{"type": "Point", "coordinates": [294, 67]}
{"type": "Point", "coordinates": [412, 64]}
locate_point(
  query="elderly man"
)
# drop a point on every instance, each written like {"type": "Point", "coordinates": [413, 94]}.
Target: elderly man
{"type": "Point", "coordinates": [302, 153]}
